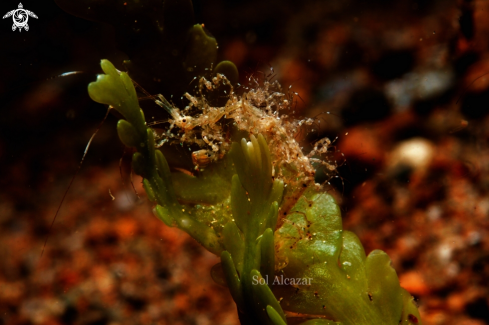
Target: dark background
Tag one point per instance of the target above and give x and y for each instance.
(389, 72)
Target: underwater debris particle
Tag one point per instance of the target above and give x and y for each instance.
(110, 193)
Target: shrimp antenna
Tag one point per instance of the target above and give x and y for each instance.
(35, 82)
(73, 178)
(163, 102)
(467, 88)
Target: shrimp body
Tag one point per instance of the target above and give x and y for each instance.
(257, 111)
